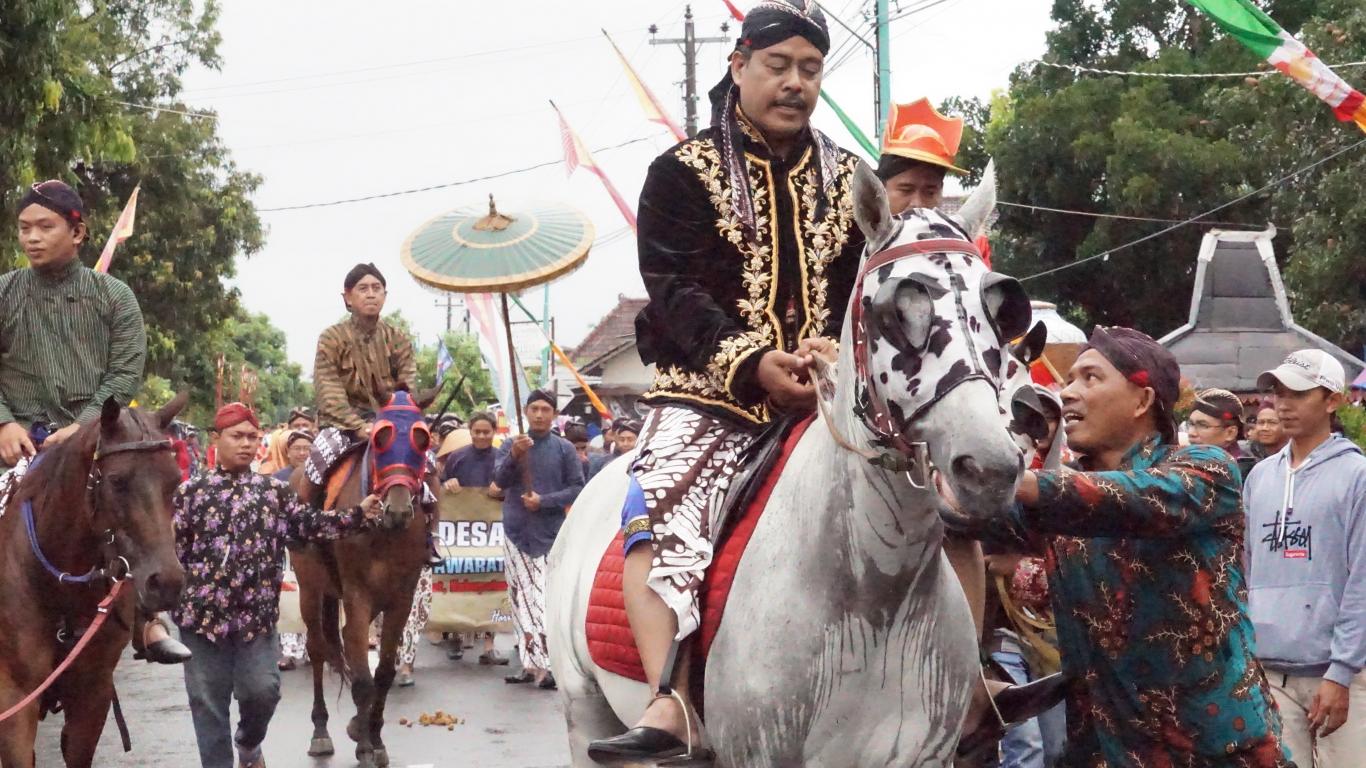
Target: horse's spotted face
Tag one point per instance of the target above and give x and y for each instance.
(937, 319)
(399, 441)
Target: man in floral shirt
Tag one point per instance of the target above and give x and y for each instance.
(1144, 561)
(232, 526)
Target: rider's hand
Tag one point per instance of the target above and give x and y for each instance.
(1028, 491)
(364, 432)
(809, 349)
(532, 501)
(520, 445)
(1329, 710)
(1003, 565)
(370, 507)
(14, 443)
(60, 436)
(782, 375)
(451, 485)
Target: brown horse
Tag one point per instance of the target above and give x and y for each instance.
(371, 573)
(100, 506)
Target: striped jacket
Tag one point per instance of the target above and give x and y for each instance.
(68, 342)
(356, 370)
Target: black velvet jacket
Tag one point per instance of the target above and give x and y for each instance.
(717, 302)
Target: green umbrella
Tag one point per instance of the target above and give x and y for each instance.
(474, 250)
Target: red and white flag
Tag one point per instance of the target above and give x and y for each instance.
(576, 155)
(123, 229)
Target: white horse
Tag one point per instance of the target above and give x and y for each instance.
(846, 641)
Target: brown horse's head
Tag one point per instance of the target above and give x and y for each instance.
(399, 441)
(131, 481)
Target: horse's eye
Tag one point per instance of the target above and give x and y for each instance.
(1007, 306)
(903, 311)
(422, 438)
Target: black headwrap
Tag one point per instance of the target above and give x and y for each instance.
(1145, 363)
(359, 273)
(542, 396)
(768, 23)
(58, 197)
(1223, 405)
(629, 426)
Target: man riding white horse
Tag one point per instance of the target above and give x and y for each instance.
(748, 252)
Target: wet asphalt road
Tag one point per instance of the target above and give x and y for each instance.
(504, 726)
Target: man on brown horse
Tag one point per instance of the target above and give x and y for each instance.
(232, 526)
(360, 362)
(70, 338)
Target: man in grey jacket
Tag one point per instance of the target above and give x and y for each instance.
(1306, 546)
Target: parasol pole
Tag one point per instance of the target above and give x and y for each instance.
(515, 372)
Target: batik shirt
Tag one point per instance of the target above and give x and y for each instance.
(356, 369)
(1151, 609)
(231, 530)
(69, 340)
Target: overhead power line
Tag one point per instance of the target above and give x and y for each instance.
(1079, 69)
(1105, 255)
(448, 184)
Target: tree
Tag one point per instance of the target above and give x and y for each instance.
(467, 368)
(1171, 149)
(69, 72)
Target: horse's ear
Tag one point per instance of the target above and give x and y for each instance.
(109, 414)
(426, 397)
(871, 209)
(167, 413)
(977, 209)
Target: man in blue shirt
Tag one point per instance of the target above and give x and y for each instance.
(472, 466)
(541, 476)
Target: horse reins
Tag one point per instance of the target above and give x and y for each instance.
(103, 610)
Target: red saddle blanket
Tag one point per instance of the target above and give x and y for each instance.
(609, 632)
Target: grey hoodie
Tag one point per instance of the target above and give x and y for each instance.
(1306, 546)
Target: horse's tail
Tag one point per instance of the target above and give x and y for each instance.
(331, 627)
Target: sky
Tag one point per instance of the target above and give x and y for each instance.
(343, 99)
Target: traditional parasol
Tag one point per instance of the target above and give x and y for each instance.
(476, 251)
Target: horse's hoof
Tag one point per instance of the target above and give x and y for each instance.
(381, 757)
(320, 746)
(365, 759)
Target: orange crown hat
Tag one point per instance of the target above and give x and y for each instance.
(917, 131)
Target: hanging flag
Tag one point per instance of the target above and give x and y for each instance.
(653, 111)
(849, 125)
(123, 229)
(734, 11)
(443, 361)
(577, 155)
(493, 347)
(1264, 37)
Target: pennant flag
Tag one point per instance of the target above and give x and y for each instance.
(734, 11)
(1264, 37)
(849, 125)
(653, 111)
(123, 229)
(559, 353)
(493, 347)
(443, 362)
(576, 155)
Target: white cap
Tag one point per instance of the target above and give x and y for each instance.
(1304, 370)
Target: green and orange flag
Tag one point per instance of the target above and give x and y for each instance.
(1260, 33)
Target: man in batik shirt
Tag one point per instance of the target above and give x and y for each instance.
(748, 251)
(1145, 572)
(232, 526)
(360, 362)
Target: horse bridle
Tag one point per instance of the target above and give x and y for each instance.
(108, 548)
(905, 455)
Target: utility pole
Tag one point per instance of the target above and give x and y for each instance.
(882, 81)
(689, 42)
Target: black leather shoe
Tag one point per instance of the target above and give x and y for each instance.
(547, 683)
(167, 651)
(637, 744)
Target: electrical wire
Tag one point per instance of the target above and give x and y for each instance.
(1078, 69)
(1105, 255)
(447, 185)
(1121, 217)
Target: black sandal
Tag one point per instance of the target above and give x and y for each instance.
(521, 678)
